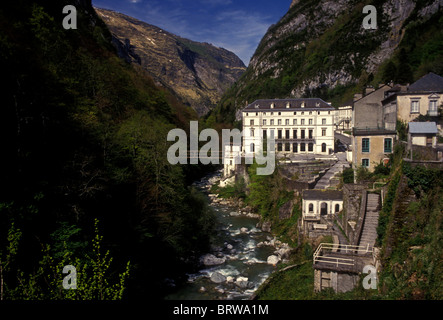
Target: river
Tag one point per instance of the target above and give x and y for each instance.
(245, 250)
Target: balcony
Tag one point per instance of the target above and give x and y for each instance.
(296, 140)
(433, 113)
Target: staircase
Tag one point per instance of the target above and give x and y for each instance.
(338, 167)
(369, 233)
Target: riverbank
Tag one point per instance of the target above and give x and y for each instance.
(243, 255)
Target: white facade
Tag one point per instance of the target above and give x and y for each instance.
(321, 203)
(299, 126)
(232, 157)
(343, 117)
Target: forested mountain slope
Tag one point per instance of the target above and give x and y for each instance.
(83, 137)
(320, 49)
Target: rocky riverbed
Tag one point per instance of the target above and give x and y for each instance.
(242, 258)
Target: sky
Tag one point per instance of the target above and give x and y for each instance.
(236, 25)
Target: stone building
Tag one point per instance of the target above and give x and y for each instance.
(371, 146)
(371, 141)
(320, 203)
(422, 134)
(405, 103)
(299, 126)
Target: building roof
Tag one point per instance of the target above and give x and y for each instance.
(322, 195)
(375, 131)
(294, 104)
(428, 83)
(423, 127)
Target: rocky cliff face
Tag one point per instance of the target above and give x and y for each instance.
(199, 73)
(320, 48)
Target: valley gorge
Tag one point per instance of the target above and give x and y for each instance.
(198, 73)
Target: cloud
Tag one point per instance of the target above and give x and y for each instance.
(238, 31)
(224, 23)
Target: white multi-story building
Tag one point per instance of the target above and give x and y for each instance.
(299, 126)
(343, 118)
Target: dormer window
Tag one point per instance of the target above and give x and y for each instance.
(257, 106)
(303, 104)
(288, 105)
(272, 105)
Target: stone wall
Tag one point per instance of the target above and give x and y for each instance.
(423, 153)
(309, 171)
(352, 206)
(338, 281)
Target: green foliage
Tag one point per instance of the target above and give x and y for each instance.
(87, 139)
(66, 238)
(236, 191)
(387, 207)
(420, 179)
(382, 170)
(264, 192)
(294, 284)
(348, 175)
(94, 280)
(362, 174)
(413, 265)
(402, 130)
(7, 256)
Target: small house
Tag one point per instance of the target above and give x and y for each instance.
(423, 134)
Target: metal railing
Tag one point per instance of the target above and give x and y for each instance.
(339, 248)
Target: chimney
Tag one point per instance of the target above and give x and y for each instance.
(368, 90)
(357, 96)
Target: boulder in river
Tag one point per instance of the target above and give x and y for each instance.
(273, 260)
(217, 277)
(211, 260)
(242, 282)
(266, 226)
(283, 252)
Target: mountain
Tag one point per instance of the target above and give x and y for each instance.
(83, 137)
(199, 73)
(320, 48)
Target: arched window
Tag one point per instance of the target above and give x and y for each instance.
(323, 147)
(324, 209)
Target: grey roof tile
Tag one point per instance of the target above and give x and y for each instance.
(423, 127)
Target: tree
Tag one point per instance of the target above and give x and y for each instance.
(45, 282)
(389, 72)
(404, 72)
